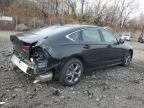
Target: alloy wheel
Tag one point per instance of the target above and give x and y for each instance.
(128, 59)
(73, 72)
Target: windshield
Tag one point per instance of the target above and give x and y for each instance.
(50, 31)
(127, 34)
(142, 35)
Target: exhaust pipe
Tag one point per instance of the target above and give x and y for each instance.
(43, 78)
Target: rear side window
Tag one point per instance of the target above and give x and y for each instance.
(91, 35)
(108, 36)
(74, 36)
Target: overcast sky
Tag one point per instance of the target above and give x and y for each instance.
(139, 9)
(141, 3)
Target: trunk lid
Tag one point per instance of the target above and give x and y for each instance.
(22, 44)
(29, 37)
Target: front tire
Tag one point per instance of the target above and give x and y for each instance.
(127, 59)
(71, 72)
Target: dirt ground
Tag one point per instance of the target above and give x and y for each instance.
(115, 87)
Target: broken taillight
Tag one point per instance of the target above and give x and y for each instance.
(25, 47)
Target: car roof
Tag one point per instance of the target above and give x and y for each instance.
(63, 28)
(55, 29)
(80, 26)
(53, 32)
(77, 26)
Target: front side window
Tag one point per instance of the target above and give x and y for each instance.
(91, 35)
(108, 36)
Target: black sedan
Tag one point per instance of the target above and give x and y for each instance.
(65, 52)
(141, 38)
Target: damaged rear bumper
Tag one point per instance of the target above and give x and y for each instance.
(31, 70)
(22, 65)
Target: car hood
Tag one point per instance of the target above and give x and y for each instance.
(128, 45)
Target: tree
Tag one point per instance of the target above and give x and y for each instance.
(82, 7)
(72, 4)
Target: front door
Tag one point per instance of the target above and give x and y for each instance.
(114, 52)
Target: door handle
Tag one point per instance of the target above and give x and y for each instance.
(86, 46)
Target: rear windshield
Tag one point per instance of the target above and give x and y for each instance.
(52, 30)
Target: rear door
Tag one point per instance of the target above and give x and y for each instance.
(92, 47)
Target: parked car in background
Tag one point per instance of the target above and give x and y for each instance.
(141, 38)
(65, 52)
(126, 36)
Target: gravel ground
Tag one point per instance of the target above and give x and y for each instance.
(115, 87)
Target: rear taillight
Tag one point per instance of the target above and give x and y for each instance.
(25, 47)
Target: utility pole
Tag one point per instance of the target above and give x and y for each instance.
(142, 29)
(16, 22)
(62, 15)
(34, 15)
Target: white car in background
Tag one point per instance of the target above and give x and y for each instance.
(126, 36)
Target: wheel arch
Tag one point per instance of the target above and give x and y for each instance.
(76, 56)
(131, 51)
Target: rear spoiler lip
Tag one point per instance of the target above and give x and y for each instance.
(16, 38)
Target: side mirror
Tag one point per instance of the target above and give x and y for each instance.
(121, 41)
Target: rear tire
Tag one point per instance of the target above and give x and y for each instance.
(71, 72)
(127, 59)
